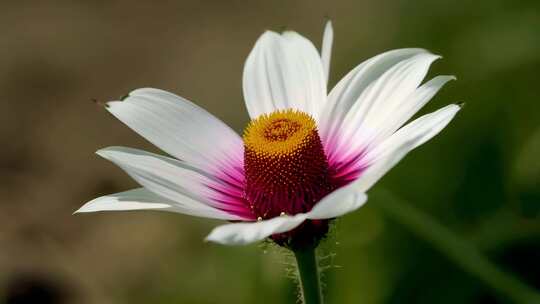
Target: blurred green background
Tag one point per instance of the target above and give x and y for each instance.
(480, 177)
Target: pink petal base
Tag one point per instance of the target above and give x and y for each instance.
(229, 194)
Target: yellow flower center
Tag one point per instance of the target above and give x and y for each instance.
(279, 133)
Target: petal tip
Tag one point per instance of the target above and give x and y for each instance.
(425, 56)
(428, 53)
(110, 104)
(436, 56)
(268, 34)
(83, 209)
(211, 238)
(103, 152)
(328, 27)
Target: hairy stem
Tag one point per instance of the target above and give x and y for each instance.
(458, 250)
(308, 272)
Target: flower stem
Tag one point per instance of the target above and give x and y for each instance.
(458, 250)
(308, 272)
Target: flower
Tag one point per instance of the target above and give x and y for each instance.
(304, 159)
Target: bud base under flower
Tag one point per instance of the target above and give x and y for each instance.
(308, 234)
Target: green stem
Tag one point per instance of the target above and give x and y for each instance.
(455, 248)
(309, 275)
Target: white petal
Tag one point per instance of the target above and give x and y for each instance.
(171, 179)
(338, 203)
(180, 128)
(344, 95)
(378, 102)
(283, 72)
(418, 131)
(245, 233)
(385, 156)
(136, 199)
(142, 199)
(412, 104)
(326, 50)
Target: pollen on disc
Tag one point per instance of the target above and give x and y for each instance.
(285, 165)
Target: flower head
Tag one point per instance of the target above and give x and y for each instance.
(306, 157)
